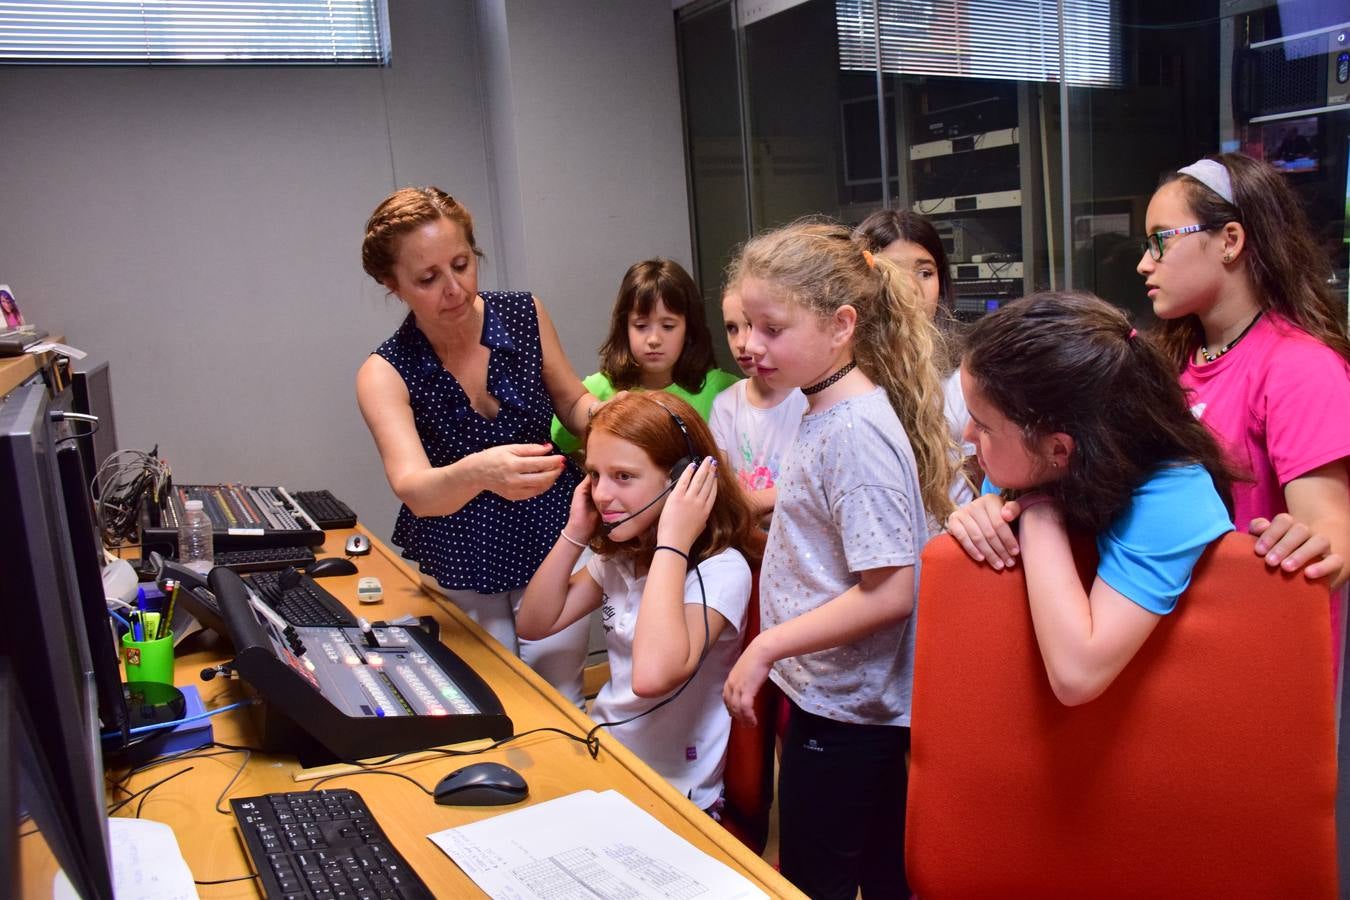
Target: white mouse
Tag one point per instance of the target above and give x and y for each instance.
(358, 545)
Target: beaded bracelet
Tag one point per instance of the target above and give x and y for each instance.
(571, 540)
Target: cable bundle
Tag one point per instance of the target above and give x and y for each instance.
(121, 485)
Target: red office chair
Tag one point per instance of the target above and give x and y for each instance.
(748, 779)
(1207, 769)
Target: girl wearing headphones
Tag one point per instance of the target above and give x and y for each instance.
(671, 531)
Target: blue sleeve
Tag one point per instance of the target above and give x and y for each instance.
(1148, 552)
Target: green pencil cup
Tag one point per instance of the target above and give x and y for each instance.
(148, 660)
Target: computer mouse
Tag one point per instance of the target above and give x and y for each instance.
(333, 565)
(358, 545)
(482, 784)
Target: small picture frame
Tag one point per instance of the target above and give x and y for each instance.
(10, 316)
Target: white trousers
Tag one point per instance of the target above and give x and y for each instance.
(557, 658)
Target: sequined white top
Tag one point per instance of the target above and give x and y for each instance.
(848, 501)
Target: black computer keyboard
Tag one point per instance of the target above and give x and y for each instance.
(323, 844)
(325, 509)
(265, 559)
(300, 601)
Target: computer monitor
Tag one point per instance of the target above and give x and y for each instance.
(1292, 146)
(87, 557)
(45, 637)
(40, 839)
(91, 390)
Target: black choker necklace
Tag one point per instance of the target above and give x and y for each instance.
(1210, 357)
(822, 385)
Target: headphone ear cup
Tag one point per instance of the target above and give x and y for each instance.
(678, 469)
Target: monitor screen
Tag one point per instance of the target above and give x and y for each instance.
(1290, 145)
(45, 639)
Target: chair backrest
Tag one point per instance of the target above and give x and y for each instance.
(1207, 769)
(748, 778)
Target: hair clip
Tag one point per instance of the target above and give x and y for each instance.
(869, 259)
(1133, 334)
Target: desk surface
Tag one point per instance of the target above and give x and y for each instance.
(553, 765)
(14, 370)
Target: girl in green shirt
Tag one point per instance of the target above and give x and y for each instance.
(658, 340)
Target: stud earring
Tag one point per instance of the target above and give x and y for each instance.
(1228, 257)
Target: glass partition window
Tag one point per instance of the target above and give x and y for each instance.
(956, 109)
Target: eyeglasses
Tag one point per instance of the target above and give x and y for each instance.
(1153, 243)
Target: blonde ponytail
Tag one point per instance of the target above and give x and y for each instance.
(902, 351)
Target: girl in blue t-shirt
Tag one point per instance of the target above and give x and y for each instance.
(1080, 425)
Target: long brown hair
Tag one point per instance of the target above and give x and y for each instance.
(1281, 256)
(819, 265)
(644, 284)
(401, 212)
(645, 420)
(1070, 362)
(886, 226)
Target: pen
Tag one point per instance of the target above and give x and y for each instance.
(166, 621)
(137, 630)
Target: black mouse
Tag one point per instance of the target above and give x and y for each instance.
(333, 565)
(482, 784)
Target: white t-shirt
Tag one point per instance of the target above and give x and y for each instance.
(685, 741)
(954, 405)
(755, 440)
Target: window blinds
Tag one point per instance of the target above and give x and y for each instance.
(1008, 39)
(194, 32)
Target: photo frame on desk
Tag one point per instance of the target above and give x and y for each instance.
(10, 316)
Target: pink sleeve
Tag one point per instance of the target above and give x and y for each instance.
(1307, 411)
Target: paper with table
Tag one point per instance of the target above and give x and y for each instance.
(587, 845)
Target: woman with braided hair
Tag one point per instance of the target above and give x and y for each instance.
(459, 402)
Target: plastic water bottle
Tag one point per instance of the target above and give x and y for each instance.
(196, 548)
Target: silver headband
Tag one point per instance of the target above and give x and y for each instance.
(1213, 175)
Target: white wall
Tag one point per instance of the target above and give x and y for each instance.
(595, 153)
(201, 227)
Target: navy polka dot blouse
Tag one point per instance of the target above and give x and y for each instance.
(491, 544)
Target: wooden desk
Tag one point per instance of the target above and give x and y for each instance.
(14, 370)
(553, 765)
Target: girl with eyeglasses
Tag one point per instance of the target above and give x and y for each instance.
(1234, 273)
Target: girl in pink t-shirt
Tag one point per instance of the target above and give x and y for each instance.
(1237, 278)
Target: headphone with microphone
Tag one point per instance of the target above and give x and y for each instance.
(684, 462)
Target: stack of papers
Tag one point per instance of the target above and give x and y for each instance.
(587, 845)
